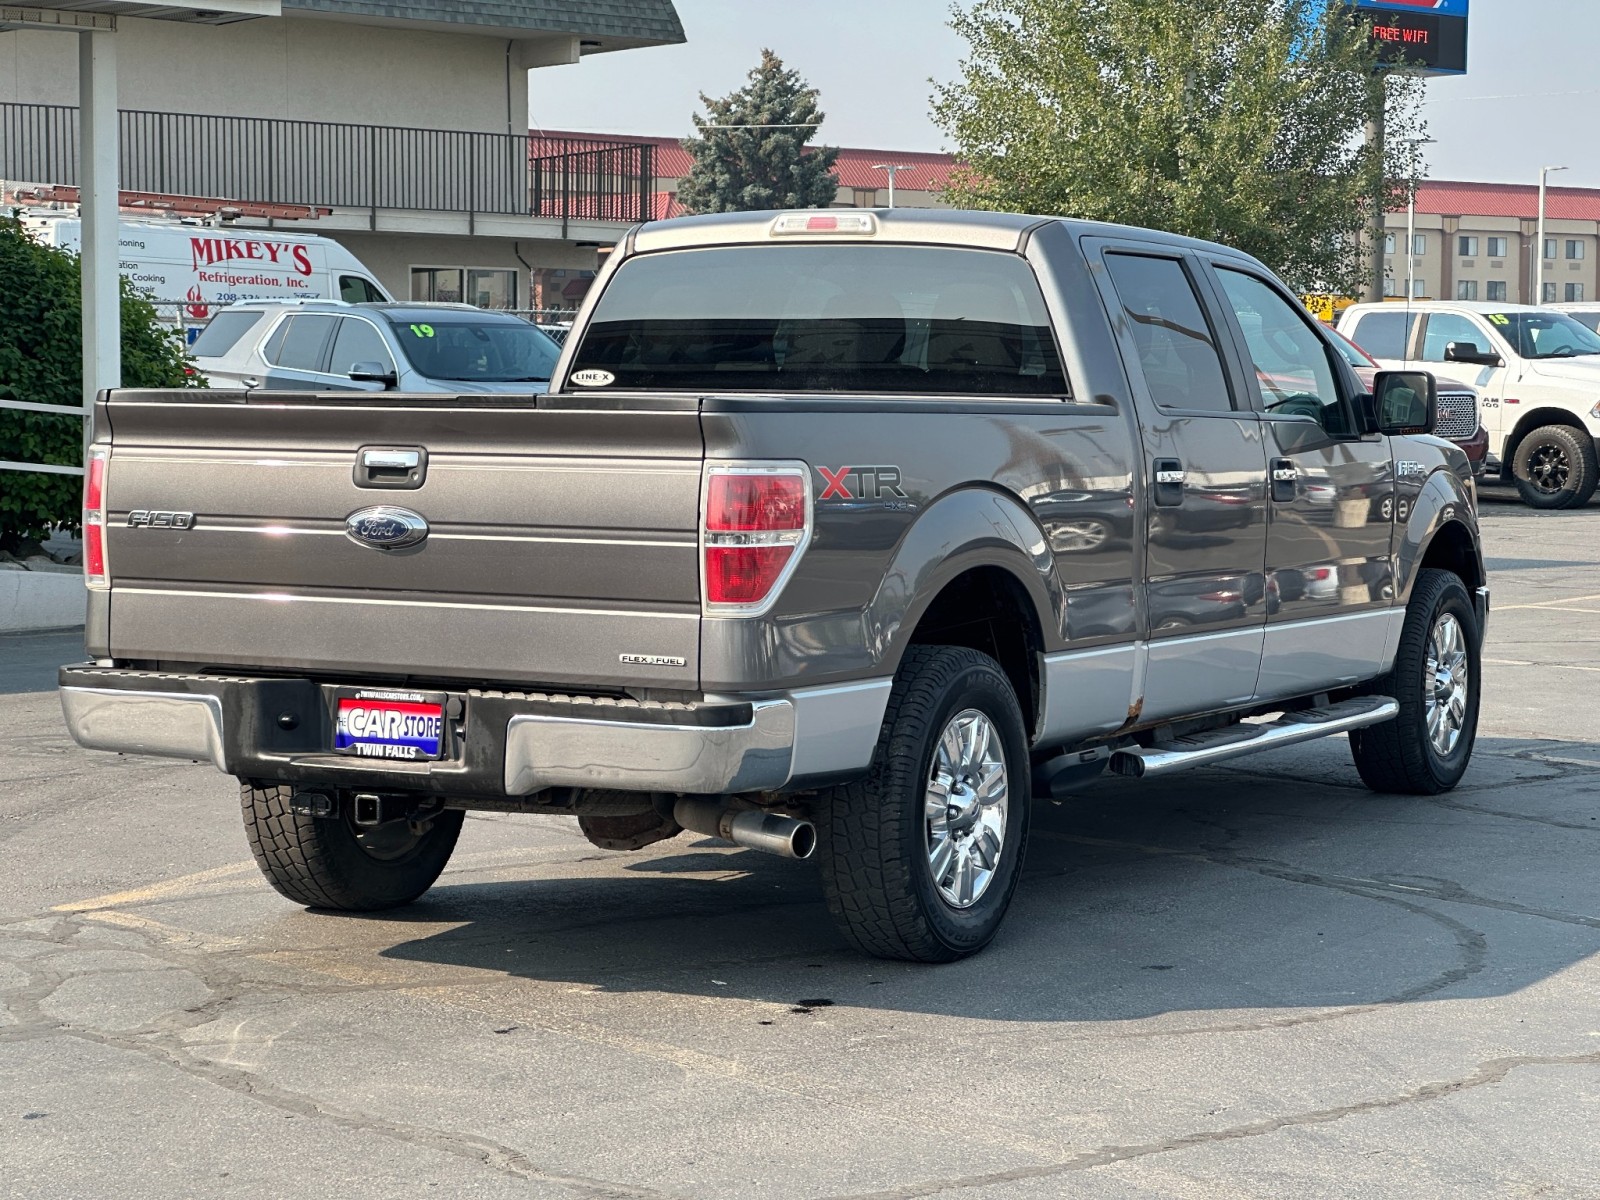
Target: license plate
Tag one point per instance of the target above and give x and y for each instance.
(397, 725)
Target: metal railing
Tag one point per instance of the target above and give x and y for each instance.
(583, 179)
(329, 164)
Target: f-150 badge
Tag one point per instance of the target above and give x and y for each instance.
(1405, 466)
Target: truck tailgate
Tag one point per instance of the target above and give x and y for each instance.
(562, 540)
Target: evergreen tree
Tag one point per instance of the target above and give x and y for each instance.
(751, 152)
(1238, 121)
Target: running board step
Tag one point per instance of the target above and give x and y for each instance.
(1218, 745)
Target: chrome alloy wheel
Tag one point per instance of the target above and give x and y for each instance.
(1446, 678)
(965, 806)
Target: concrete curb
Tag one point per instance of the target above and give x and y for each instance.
(36, 600)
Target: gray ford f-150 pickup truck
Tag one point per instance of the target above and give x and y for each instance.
(846, 531)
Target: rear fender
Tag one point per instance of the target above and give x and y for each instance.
(963, 530)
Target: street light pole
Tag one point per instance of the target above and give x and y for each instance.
(1538, 275)
(891, 168)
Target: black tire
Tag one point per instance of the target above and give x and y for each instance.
(324, 862)
(1555, 467)
(1399, 757)
(873, 833)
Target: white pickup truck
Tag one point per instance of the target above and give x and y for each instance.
(1537, 372)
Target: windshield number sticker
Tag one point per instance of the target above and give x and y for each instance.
(422, 331)
(1500, 318)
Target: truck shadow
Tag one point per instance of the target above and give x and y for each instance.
(1278, 884)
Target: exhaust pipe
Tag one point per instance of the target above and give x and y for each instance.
(787, 837)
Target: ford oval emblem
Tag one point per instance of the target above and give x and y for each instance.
(386, 527)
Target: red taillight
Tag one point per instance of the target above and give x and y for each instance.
(94, 553)
(94, 486)
(755, 502)
(94, 520)
(755, 526)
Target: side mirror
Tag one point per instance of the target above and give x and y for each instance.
(373, 372)
(1468, 352)
(1406, 402)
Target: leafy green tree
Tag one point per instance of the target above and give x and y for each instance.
(41, 360)
(1238, 121)
(751, 152)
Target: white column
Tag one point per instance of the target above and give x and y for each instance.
(98, 191)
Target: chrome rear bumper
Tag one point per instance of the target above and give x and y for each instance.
(502, 744)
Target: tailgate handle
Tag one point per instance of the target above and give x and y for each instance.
(399, 467)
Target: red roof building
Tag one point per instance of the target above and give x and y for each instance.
(1476, 241)
(862, 184)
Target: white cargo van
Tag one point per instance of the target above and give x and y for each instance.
(193, 269)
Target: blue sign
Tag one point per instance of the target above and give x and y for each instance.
(1443, 8)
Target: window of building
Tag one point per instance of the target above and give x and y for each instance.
(1389, 287)
(1497, 289)
(1549, 294)
(866, 197)
(1467, 247)
(1418, 289)
(1574, 248)
(1384, 333)
(443, 285)
(1419, 245)
(1388, 244)
(1574, 293)
(1497, 247)
(1550, 248)
(492, 288)
(1467, 289)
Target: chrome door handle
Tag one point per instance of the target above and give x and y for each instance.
(391, 460)
(391, 467)
(1285, 480)
(1169, 476)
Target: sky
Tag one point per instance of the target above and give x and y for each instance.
(1528, 99)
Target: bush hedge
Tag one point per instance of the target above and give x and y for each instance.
(41, 361)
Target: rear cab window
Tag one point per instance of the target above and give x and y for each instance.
(917, 320)
(224, 332)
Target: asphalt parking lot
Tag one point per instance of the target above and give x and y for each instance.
(1253, 980)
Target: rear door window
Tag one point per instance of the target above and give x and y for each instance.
(917, 320)
(1177, 348)
(224, 333)
(1384, 334)
(300, 347)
